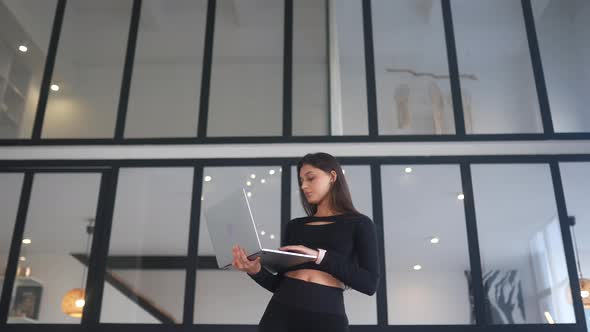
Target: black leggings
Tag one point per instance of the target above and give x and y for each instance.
(302, 306)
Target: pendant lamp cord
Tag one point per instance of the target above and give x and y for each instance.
(89, 230)
(576, 252)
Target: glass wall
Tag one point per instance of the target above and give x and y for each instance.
(231, 296)
(328, 84)
(25, 28)
(426, 251)
(247, 72)
(360, 308)
(143, 282)
(523, 261)
(52, 270)
(311, 68)
(86, 82)
(166, 84)
(329, 79)
(576, 188)
(10, 188)
(496, 74)
(426, 254)
(411, 68)
(562, 30)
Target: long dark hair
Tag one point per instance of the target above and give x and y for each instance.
(340, 194)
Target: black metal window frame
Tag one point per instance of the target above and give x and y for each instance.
(191, 262)
(287, 132)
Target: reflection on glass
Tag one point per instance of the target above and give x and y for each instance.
(10, 188)
(329, 86)
(86, 81)
(426, 251)
(523, 261)
(497, 84)
(165, 89)
(562, 30)
(219, 292)
(411, 68)
(247, 71)
(51, 276)
(360, 308)
(25, 28)
(143, 284)
(576, 188)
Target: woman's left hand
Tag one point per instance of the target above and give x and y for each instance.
(301, 249)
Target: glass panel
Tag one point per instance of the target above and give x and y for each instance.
(348, 87)
(166, 85)
(329, 80)
(576, 187)
(427, 255)
(219, 292)
(360, 308)
(497, 83)
(311, 68)
(146, 270)
(25, 28)
(523, 260)
(246, 96)
(411, 68)
(562, 29)
(88, 70)
(10, 188)
(52, 269)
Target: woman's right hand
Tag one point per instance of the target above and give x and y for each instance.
(242, 263)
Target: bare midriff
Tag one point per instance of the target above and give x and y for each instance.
(316, 276)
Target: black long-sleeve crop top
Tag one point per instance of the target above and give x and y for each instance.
(351, 254)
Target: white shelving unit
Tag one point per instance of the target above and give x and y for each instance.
(21, 320)
(15, 79)
(22, 281)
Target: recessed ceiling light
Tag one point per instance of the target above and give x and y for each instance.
(408, 170)
(249, 194)
(262, 232)
(207, 178)
(248, 183)
(272, 236)
(26, 241)
(22, 258)
(460, 196)
(271, 172)
(417, 267)
(434, 240)
(22, 48)
(262, 181)
(253, 176)
(55, 87)
(202, 198)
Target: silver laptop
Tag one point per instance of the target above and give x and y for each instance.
(230, 222)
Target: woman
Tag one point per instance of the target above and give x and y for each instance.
(309, 296)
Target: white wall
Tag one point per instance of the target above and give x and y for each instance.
(562, 30)
(164, 288)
